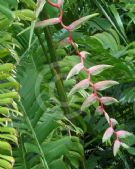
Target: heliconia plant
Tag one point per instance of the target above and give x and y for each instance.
(92, 71)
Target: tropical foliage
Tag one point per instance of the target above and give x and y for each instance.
(52, 123)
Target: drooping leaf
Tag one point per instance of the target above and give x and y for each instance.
(123, 134)
(81, 85)
(116, 147)
(75, 70)
(105, 84)
(80, 21)
(98, 69)
(107, 135)
(47, 22)
(89, 101)
(108, 100)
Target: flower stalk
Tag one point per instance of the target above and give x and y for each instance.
(99, 86)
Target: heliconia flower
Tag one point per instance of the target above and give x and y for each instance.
(107, 135)
(47, 22)
(60, 2)
(84, 54)
(108, 100)
(113, 121)
(98, 69)
(107, 117)
(81, 85)
(116, 147)
(40, 5)
(89, 101)
(75, 70)
(123, 134)
(105, 84)
(99, 110)
(124, 145)
(80, 21)
(53, 4)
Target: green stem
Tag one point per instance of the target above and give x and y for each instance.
(43, 160)
(23, 153)
(54, 66)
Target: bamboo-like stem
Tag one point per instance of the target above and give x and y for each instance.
(54, 66)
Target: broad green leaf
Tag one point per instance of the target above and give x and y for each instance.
(131, 150)
(31, 148)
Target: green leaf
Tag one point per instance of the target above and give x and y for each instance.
(7, 12)
(25, 14)
(118, 19)
(131, 150)
(5, 164)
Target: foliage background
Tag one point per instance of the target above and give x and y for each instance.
(49, 137)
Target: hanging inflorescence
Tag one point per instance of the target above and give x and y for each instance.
(96, 87)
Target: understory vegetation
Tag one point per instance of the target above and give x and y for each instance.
(67, 84)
